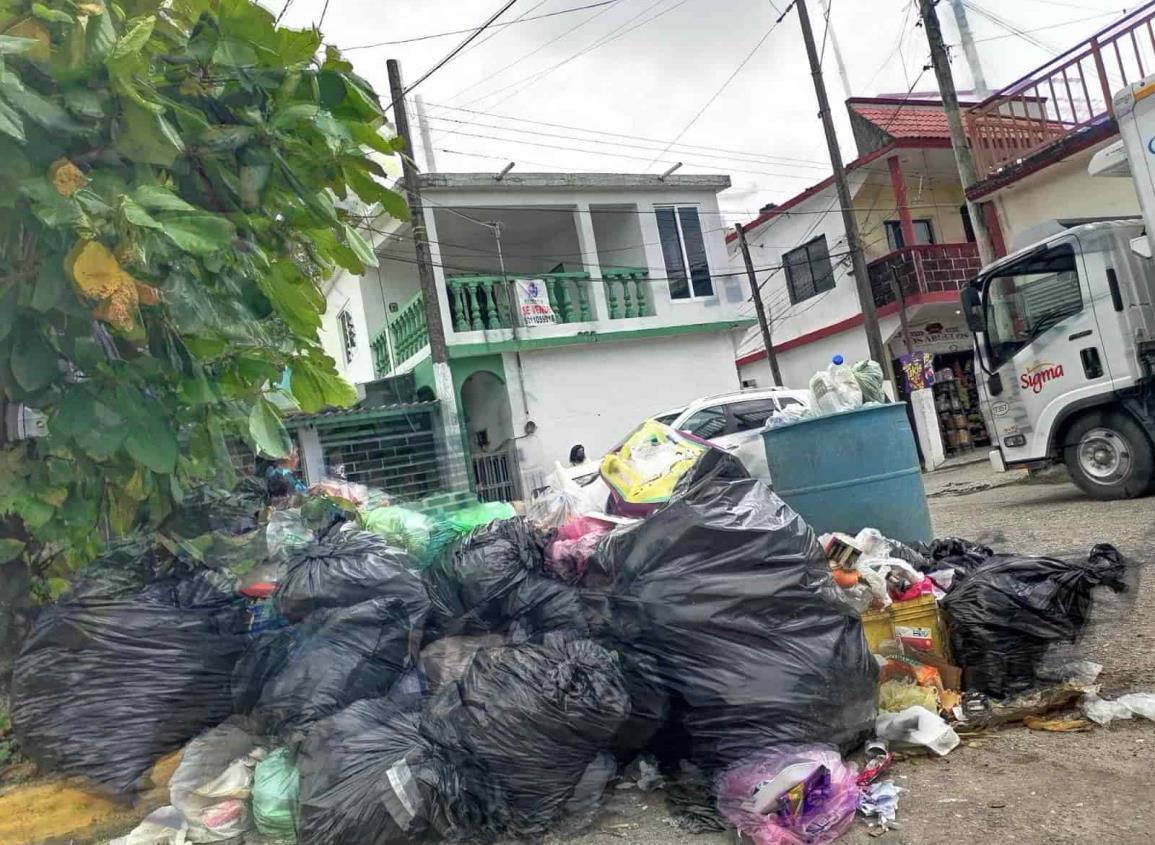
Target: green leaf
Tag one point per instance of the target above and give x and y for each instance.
(100, 36)
(135, 36)
(360, 246)
(50, 286)
(372, 191)
(293, 116)
(198, 232)
(10, 549)
(149, 439)
(7, 310)
(367, 136)
(294, 297)
(137, 216)
(11, 124)
(34, 512)
(34, 362)
(53, 209)
(51, 15)
(146, 137)
(235, 54)
(43, 111)
(316, 385)
(159, 198)
(267, 431)
(86, 102)
(11, 45)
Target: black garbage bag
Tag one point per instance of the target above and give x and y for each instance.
(534, 719)
(291, 677)
(492, 581)
(727, 591)
(345, 568)
(962, 556)
(367, 776)
(117, 673)
(1006, 612)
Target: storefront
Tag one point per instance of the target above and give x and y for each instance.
(943, 362)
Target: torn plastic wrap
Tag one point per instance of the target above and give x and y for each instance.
(1007, 611)
(294, 676)
(728, 592)
(116, 675)
(492, 581)
(815, 810)
(368, 777)
(346, 568)
(212, 783)
(534, 718)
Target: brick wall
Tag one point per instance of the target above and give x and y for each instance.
(933, 268)
(396, 454)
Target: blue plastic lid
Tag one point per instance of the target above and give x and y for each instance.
(837, 359)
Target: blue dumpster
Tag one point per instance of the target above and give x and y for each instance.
(852, 470)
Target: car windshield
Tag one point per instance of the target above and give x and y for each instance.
(666, 419)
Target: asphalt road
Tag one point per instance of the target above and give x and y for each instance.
(1013, 785)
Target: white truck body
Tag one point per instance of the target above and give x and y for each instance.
(1065, 333)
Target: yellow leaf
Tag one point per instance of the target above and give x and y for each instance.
(94, 270)
(147, 295)
(66, 177)
(31, 28)
(119, 310)
(90, 9)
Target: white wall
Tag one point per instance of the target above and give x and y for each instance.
(802, 362)
(595, 394)
(485, 407)
(345, 294)
(1063, 190)
(619, 236)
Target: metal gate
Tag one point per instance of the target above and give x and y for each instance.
(495, 477)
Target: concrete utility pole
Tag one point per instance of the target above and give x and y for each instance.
(412, 183)
(958, 138)
(853, 241)
(759, 307)
(442, 377)
(842, 74)
(426, 136)
(968, 44)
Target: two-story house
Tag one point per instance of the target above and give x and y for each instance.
(573, 305)
(912, 216)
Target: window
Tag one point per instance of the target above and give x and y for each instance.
(706, 423)
(968, 227)
(808, 270)
(923, 233)
(1029, 297)
(787, 401)
(684, 251)
(752, 414)
(348, 334)
(666, 419)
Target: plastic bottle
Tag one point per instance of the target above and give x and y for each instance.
(835, 388)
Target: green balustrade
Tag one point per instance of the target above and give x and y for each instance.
(627, 292)
(483, 303)
(407, 333)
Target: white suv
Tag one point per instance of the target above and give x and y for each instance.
(731, 421)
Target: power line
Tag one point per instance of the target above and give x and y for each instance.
(498, 26)
(724, 85)
(324, 11)
(806, 161)
(460, 46)
(1021, 33)
(617, 144)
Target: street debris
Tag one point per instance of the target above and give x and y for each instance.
(383, 675)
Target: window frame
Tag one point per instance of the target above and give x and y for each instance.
(347, 331)
(771, 403)
(1004, 352)
(723, 414)
(893, 229)
(687, 268)
(792, 283)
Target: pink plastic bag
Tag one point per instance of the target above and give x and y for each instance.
(574, 543)
(827, 812)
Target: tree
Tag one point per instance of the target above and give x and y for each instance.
(172, 179)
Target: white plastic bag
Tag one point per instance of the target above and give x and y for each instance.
(917, 726)
(211, 785)
(1103, 712)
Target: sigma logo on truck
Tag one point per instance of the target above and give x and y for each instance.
(1039, 375)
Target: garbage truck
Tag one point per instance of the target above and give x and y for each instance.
(1065, 332)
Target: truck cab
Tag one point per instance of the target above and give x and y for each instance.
(1065, 352)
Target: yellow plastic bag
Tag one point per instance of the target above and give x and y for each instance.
(648, 465)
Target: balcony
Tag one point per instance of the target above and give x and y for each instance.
(406, 332)
(1067, 98)
(929, 268)
(482, 303)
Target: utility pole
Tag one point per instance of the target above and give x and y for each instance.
(968, 44)
(759, 307)
(853, 241)
(426, 136)
(442, 377)
(842, 74)
(958, 138)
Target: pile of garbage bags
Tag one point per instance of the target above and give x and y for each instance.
(378, 691)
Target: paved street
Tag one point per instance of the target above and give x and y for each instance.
(1015, 785)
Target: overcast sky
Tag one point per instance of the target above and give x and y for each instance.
(645, 68)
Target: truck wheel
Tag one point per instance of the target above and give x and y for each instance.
(1109, 456)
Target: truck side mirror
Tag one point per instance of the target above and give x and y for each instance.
(972, 308)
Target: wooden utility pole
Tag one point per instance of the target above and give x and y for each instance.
(853, 241)
(759, 307)
(427, 280)
(958, 138)
(900, 298)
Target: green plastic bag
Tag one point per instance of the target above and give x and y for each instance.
(453, 526)
(402, 527)
(868, 374)
(275, 786)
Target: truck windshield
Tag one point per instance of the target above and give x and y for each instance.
(1028, 297)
